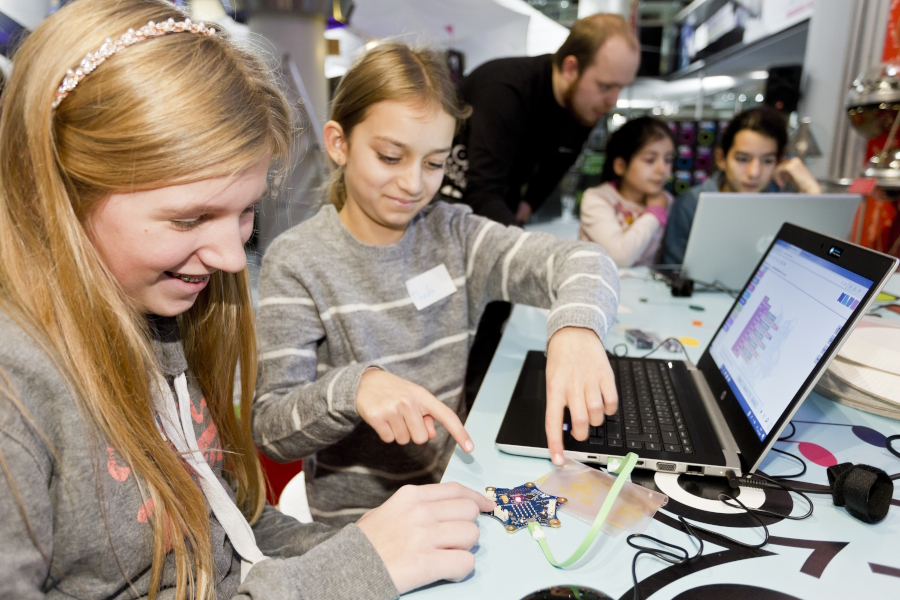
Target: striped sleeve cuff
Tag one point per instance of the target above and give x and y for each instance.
(579, 314)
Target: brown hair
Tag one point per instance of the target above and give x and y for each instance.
(174, 109)
(589, 34)
(390, 71)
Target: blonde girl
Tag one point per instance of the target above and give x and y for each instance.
(364, 346)
(128, 181)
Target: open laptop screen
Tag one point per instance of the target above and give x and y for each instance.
(782, 325)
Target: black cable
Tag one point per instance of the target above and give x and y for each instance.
(716, 286)
(752, 481)
(663, 343)
(791, 434)
(665, 555)
(758, 480)
(795, 457)
(889, 445)
(682, 556)
(624, 345)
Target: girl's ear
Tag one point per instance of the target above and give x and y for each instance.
(335, 142)
(720, 159)
(620, 166)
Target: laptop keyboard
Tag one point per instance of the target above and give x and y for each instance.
(649, 417)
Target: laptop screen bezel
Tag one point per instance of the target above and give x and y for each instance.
(866, 263)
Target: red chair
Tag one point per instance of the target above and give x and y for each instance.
(278, 475)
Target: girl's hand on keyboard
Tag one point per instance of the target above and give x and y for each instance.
(578, 377)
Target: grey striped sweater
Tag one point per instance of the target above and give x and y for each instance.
(331, 306)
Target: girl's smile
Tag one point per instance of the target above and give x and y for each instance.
(163, 245)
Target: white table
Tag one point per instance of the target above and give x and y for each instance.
(842, 548)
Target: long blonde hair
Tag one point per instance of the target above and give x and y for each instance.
(390, 71)
(174, 109)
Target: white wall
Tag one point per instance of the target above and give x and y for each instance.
(27, 13)
(845, 36)
(301, 36)
(587, 8)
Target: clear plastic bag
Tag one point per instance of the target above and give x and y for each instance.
(586, 488)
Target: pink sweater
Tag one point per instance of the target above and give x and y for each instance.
(629, 232)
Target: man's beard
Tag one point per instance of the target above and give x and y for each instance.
(569, 104)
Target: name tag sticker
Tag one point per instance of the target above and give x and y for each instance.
(431, 286)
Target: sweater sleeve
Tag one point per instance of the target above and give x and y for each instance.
(600, 225)
(577, 281)
(301, 406)
(24, 492)
(344, 566)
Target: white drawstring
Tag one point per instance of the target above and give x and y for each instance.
(228, 514)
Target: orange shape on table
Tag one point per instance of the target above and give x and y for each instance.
(697, 323)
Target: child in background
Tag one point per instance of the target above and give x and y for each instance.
(750, 159)
(124, 312)
(627, 214)
(367, 345)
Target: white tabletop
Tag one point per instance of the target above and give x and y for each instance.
(512, 565)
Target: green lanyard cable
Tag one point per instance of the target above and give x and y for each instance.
(623, 470)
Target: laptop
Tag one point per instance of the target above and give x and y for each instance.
(731, 231)
(791, 317)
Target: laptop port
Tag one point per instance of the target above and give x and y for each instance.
(694, 469)
(661, 466)
(639, 463)
(592, 457)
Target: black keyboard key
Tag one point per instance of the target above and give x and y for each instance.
(615, 443)
(667, 427)
(669, 437)
(634, 445)
(653, 446)
(642, 437)
(632, 422)
(632, 429)
(688, 449)
(614, 436)
(672, 448)
(597, 441)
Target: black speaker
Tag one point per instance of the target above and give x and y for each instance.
(783, 88)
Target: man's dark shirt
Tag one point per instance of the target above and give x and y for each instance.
(518, 143)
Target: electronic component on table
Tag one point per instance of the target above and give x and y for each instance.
(519, 506)
(640, 339)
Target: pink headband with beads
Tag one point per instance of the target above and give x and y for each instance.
(93, 60)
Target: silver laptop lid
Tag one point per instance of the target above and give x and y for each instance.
(730, 232)
(788, 322)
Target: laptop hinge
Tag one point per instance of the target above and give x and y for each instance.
(720, 426)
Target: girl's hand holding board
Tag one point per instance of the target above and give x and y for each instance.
(425, 533)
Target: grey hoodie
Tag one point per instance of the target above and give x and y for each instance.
(89, 517)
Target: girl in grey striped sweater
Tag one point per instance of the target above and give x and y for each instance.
(368, 309)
